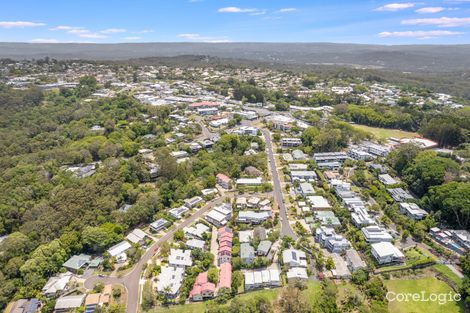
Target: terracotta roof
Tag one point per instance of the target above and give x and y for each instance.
(225, 275)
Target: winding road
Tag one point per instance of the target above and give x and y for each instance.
(131, 281)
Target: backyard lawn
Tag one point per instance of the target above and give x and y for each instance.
(312, 292)
(429, 285)
(384, 133)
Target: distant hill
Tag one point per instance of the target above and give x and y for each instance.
(410, 58)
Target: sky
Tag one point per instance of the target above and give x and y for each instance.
(220, 21)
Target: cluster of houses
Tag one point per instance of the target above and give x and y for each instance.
(253, 210)
(380, 239)
(455, 240)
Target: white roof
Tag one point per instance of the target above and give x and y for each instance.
(121, 247)
(170, 277)
(318, 202)
(57, 283)
(179, 257)
(384, 249)
(195, 243)
(295, 256)
(297, 272)
(217, 216)
(249, 181)
(136, 235)
(245, 235)
(69, 302)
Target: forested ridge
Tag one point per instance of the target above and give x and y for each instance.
(49, 214)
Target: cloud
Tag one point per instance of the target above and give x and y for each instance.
(132, 38)
(199, 38)
(421, 34)
(44, 40)
(91, 35)
(430, 10)
(439, 21)
(287, 10)
(395, 6)
(113, 31)
(144, 31)
(236, 10)
(19, 24)
(82, 32)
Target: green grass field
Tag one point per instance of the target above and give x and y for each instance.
(428, 285)
(384, 133)
(447, 272)
(311, 294)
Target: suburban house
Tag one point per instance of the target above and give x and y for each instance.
(202, 288)
(24, 306)
(412, 210)
(57, 285)
(137, 236)
(193, 202)
(252, 217)
(249, 181)
(225, 276)
(223, 180)
(294, 258)
(241, 203)
(177, 213)
(385, 252)
(68, 303)
(375, 233)
(225, 237)
(262, 279)
(330, 157)
(247, 253)
(303, 175)
(318, 202)
(263, 248)
(119, 251)
(306, 189)
(77, 262)
(333, 242)
(297, 274)
(197, 231)
(399, 195)
(220, 215)
(290, 142)
(195, 244)
(354, 261)
(180, 258)
(387, 180)
(159, 225)
(169, 280)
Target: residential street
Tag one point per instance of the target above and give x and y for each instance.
(286, 229)
(131, 280)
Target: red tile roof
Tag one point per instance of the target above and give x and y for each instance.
(223, 177)
(201, 284)
(225, 275)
